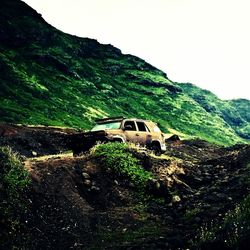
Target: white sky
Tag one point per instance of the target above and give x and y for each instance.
(205, 42)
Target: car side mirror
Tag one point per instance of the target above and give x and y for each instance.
(128, 127)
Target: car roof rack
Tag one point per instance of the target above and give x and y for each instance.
(109, 119)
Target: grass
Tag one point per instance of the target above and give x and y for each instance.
(123, 238)
(14, 181)
(232, 233)
(119, 158)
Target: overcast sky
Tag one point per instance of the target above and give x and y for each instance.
(205, 42)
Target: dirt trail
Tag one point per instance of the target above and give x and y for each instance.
(30, 162)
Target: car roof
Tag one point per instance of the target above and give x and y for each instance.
(120, 118)
(109, 119)
(136, 120)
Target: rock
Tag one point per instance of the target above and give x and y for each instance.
(176, 199)
(34, 153)
(197, 193)
(95, 189)
(206, 174)
(154, 184)
(85, 175)
(76, 75)
(157, 185)
(197, 179)
(87, 182)
(219, 167)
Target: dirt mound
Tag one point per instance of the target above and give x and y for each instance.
(35, 140)
(78, 204)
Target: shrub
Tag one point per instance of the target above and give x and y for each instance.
(233, 232)
(119, 158)
(237, 224)
(13, 182)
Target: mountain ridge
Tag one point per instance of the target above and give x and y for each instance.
(52, 78)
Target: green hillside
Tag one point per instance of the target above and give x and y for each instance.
(52, 78)
(236, 113)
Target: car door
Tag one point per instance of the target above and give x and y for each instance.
(130, 131)
(144, 136)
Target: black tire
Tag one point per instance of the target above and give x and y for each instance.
(156, 149)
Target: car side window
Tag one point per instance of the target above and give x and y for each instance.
(130, 125)
(142, 127)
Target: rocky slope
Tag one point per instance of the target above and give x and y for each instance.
(52, 78)
(76, 202)
(31, 141)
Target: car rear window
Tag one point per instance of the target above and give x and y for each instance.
(141, 126)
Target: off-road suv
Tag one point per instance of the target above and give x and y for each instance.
(120, 129)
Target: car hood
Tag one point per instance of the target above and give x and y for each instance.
(95, 133)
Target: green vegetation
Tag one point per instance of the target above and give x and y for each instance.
(14, 181)
(117, 239)
(119, 158)
(12, 172)
(233, 232)
(234, 112)
(191, 214)
(52, 78)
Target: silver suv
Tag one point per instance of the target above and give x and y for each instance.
(120, 129)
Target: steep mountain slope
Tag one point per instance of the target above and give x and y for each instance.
(52, 78)
(235, 112)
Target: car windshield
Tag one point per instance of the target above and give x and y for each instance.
(104, 126)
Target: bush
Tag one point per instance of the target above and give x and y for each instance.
(237, 225)
(12, 173)
(13, 182)
(119, 158)
(233, 232)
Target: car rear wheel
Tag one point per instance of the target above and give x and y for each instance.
(156, 149)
